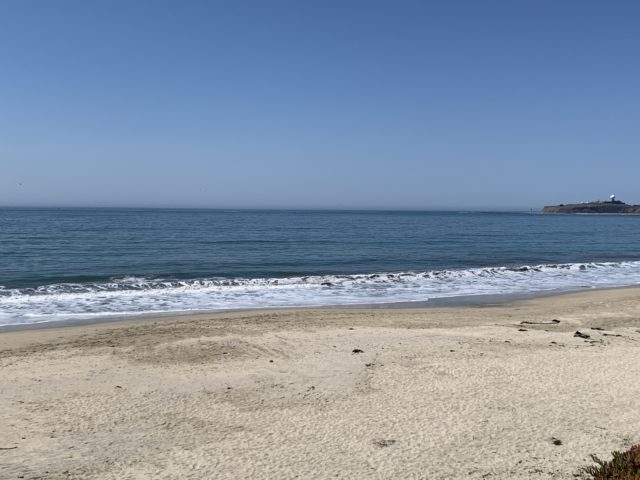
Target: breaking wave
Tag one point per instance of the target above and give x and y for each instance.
(135, 295)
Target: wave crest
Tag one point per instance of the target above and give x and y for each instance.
(139, 295)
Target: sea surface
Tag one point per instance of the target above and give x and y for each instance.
(61, 264)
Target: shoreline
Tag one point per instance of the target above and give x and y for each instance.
(449, 392)
(440, 302)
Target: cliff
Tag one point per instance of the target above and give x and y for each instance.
(615, 207)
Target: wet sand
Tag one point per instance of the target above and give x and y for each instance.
(487, 391)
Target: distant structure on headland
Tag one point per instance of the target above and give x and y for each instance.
(613, 206)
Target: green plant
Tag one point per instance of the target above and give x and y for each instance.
(623, 466)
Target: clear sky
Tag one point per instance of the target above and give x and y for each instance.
(319, 103)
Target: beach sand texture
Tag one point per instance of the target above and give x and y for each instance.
(444, 393)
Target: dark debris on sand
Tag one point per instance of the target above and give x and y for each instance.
(381, 442)
(555, 321)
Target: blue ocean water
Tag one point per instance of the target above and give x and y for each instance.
(73, 263)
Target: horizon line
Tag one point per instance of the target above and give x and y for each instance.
(276, 208)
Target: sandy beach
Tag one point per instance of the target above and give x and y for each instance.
(503, 391)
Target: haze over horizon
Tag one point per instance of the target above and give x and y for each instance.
(492, 105)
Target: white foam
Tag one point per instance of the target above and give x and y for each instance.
(135, 295)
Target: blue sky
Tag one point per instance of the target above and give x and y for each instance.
(319, 104)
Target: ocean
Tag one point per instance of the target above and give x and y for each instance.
(64, 264)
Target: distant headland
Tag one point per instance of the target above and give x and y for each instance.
(612, 206)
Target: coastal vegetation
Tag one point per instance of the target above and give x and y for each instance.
(623, 466)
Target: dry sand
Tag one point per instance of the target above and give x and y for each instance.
(435, 393)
